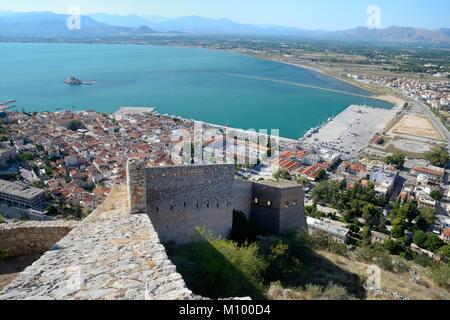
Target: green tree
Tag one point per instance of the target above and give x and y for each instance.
(25, 156)
(444, 252)
(220, 268)
(282, 174)
(321, 176)
(437, 195)
(438, 156)
(428, 215)
(433, 243)
(366, 236)
(420, 238)
(282, 264)
(398, 228)
(371, 214)
(408, 211)
(397, 160)
(76, 125)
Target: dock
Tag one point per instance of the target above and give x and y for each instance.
(5, 105)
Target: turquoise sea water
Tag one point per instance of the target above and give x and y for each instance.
(211, 86)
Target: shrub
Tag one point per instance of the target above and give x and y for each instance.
(220, 268)
(420, 238)
(433, 243)
(335, 292)
(322, 241)
(331, 292)
(423, 261)
(444, 252)
(282, 262)
(441, 275)
(376, 254)
(397, 159)
(2, 219)
(438, 156)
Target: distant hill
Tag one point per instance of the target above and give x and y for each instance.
(200, 25)
(395, 35)
(142, 30)
(131, 21)
(46, 24)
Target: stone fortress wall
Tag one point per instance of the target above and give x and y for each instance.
(242, 196)
(115, 255)
(32, 237)
(111, 255)
(278, 208)
(178, 199)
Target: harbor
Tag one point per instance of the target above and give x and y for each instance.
(351, 130)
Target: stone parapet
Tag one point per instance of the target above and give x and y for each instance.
(33, 237)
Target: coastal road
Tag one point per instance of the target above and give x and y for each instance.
(427, 111)
(437, 122)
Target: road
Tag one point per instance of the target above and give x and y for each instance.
(437, 122)
(427, 111)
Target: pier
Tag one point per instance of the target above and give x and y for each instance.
(5, 105)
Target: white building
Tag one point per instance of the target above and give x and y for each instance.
(383, 179)
(338, 233)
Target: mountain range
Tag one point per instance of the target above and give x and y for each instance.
(48, 25)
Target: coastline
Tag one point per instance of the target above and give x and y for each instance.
(388, 98)
(284, 142)
(391, 98)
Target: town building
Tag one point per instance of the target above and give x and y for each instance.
(384, 179)
(446, 235)
(378, 237)
(338, 233)
(7, 154)
(20, 195)
(429, 175)
(353, 168)
(278, 207)
(423, 198)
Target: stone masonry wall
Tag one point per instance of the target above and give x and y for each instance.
(25, 238)
(136, 186)
(182, 198)
(242, 196)
(111, 255)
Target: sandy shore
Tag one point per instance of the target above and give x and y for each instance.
(392, 99)
(385, 97)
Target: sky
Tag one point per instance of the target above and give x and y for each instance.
(306, 14)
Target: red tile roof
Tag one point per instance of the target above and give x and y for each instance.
(429, 171)
(446, 233)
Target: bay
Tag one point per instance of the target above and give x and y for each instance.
(213, 86)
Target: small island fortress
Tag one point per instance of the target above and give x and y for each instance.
(117, 252)
(77, 82)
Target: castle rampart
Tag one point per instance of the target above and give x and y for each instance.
(33, 237)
